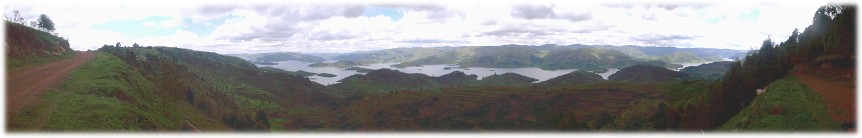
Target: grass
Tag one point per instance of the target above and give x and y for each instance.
(803, 110)
(106, 95)
(13, 63)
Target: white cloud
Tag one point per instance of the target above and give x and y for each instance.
(338, 28)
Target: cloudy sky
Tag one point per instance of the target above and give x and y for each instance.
(254, 27)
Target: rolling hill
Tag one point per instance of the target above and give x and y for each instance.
(280, 56)
(713, 70)
(647, 74)
(536, 56)
(573, 78)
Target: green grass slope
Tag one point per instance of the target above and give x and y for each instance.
(108, 95)
(788, 105)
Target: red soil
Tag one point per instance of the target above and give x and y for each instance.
(25, 86)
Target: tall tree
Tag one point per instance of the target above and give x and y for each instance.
(46, 23)
(17, 17)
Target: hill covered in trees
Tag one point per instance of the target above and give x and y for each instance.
(595, 58)
(647, 74)
(280, 56)
(712, 70)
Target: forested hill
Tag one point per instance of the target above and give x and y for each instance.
(526, 56)
(280, 56)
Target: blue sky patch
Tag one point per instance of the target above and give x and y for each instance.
(750, 16)
(392, 13)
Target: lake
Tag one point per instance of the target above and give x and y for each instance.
(430, 70)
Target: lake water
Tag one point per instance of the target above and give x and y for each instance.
(481, 72)
(293, 65)
(430, 70)
(433, 70)
(607, 74)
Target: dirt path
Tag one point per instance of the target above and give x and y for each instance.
(840, 99)
(24, 86)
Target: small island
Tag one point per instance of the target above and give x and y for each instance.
(447, 68)
(258, 62)
(326, 75)
(302, 73)
(360, 69)
(337, 64)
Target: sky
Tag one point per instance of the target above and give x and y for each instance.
(329, 27)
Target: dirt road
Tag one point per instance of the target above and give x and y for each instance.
(24, 86)
(840, 99)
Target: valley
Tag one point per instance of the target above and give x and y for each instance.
(804, 83)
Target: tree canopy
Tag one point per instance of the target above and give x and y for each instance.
(46, 23)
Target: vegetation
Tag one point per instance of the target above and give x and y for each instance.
(591, 58)
(573, 78)
(359, 69)
(326, 75)
(285, 56)
(728, 96)
(27, 46)
(46, 23)
(337, 64)
(681, 57)
(595, 59)
(300, 73)
(161, 88)
(384, 81)
(713, 70)
(157, 88)
(787, 105)
(258, 62)
(647, 74)
(507, 79)
(107, 94)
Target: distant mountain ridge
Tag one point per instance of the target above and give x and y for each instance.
(508, 56)
(279, 56)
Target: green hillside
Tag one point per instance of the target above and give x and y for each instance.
(597, 60)
(573, 78)
(787, 105)
(681, 57)
(26, 46)
(647, 74)
(158, 88)
(708, 71)
(108, 94)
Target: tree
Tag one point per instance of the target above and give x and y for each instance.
(34, 24)
(17, 17)
(135, 45)
(118, 45)
(46, 23)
